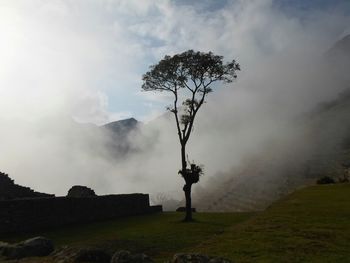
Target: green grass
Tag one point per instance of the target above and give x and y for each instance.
(310, 225)
(158, 235)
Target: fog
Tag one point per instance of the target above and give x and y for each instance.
(62, 68)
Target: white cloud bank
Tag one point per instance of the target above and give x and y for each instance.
(85, 59)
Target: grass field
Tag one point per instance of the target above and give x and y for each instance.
(310, 225)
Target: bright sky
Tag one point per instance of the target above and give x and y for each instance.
(85, 58)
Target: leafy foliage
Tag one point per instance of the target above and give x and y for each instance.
(193, 71)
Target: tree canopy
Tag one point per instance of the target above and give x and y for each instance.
(194, 71)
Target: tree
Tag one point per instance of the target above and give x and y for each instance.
(189, 76)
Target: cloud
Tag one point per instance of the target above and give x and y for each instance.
(53, 54)
(283, 77)
(62, 49)
(85, 59)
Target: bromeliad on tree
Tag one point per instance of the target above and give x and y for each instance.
(191, 176)
(189, 76)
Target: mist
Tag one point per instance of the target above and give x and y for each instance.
(63, 69)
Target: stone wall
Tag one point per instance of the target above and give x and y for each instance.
(9, 190)
(26, 215)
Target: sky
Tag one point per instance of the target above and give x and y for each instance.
(85, 59)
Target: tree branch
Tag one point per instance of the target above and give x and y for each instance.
(175, 111)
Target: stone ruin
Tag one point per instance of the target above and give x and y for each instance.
(80, 191)
(9, 190)
(24, 210)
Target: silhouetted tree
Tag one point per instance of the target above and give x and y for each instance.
(189, 77)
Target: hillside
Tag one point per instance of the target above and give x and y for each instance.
(264, 179)
(310, 225)
(321, 145)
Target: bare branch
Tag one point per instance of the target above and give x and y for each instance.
(175, 111)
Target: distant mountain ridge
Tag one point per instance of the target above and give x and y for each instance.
(119, 132)
(340, 48)
(122, 126)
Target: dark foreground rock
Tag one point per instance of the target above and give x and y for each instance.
(92, 255)
(197, 258)
(34, 247)
(2, 246)
(124, 256)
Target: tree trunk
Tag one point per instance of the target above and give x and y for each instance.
(183, 159)
(187, 190)
(187, 186)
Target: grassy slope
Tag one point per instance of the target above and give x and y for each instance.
(311, 225)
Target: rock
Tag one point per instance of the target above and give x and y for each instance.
(65, 254)
(3, 245)
(183, 209)
(124, 256)
(80, 191)
(34, 247)
(219, 260)
(68, 254)
(92, 255)
(190, 258)
(197, 258)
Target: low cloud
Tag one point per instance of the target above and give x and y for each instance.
(64, 60)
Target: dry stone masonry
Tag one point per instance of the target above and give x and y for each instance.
(80, 191)
(46, 211)
(9, 190)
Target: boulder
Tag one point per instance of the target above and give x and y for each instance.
(197, 258)
(190, 258)
(3, 245)
(92, 255)
(34, 247)
(67, 254)
(80, 191)
(124, 256)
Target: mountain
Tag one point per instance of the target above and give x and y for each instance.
(119, 133)
(122, 127)
(340, 49)
(338, 60)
